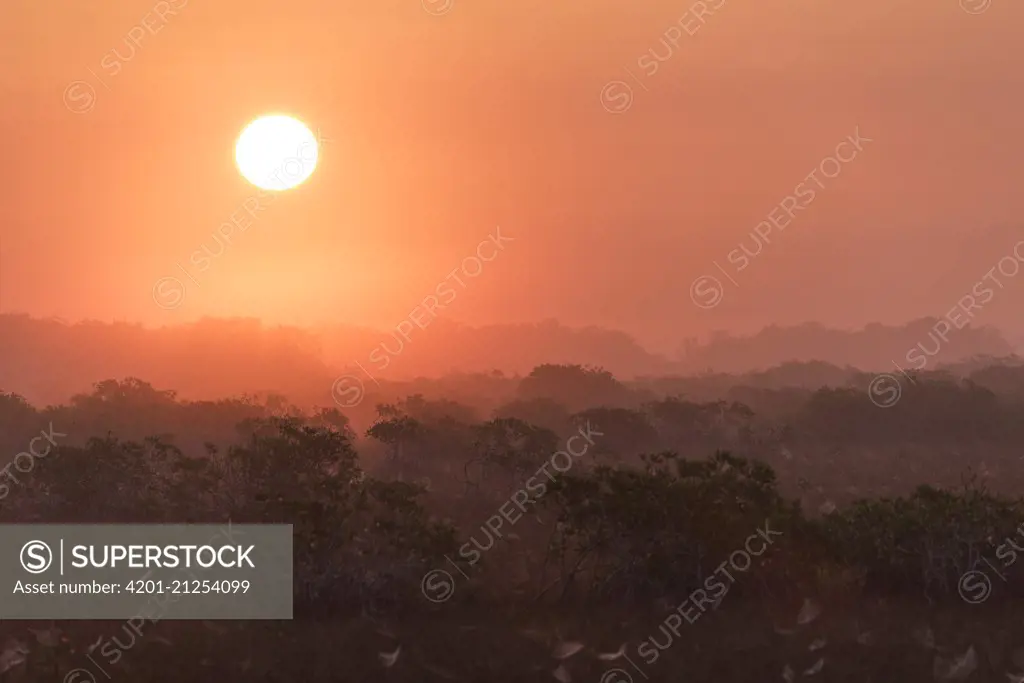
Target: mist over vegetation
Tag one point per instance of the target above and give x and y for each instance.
(522, 524)
(48, 361)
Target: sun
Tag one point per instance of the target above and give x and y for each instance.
(276, 152)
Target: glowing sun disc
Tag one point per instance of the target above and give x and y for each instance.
(276, 152)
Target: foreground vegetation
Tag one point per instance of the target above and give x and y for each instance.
(478, 551)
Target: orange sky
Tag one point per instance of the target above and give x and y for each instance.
(440, 128)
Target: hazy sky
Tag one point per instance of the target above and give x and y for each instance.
(440, 128)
